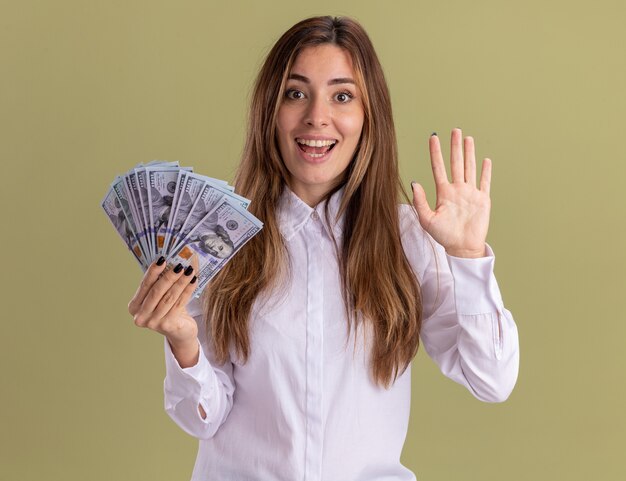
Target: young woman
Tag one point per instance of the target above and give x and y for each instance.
(297, 363)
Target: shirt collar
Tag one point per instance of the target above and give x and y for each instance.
(293, 213)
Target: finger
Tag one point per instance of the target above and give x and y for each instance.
(158, 289)
(485, 176)
(420, 202)
(149, 278)
(470, 161)
(456, 156)
(436, 160)
(171, 323)
(185, 296)
(170, 302)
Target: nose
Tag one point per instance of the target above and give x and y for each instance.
(317, 113)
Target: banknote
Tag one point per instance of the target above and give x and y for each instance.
(144, 206)
(215, 240)
(199, 196)
(162, 182)
(190, 187)
(162, 209)
(123, 194)
(188, 192)
(112, 205)
(132, 192)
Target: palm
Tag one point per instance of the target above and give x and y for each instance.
(461, 217)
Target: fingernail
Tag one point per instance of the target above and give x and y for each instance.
(413, 184)
(178, 268)
(188, 271)
(193, 280)
(434, 133)
(160, 261)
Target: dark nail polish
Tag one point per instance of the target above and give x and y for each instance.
(178, 268)
(189, 270)
(160, 261)
(193, 280)
(434, 133)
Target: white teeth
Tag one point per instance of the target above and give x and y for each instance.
(316, 143)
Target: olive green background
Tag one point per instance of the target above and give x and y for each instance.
(88, 89)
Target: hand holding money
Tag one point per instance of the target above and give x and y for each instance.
(182, 228)
(160, 304)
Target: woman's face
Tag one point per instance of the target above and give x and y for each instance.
(319, 121)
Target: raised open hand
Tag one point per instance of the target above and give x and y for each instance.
(460, 220)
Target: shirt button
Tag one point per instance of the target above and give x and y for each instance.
(314, 215)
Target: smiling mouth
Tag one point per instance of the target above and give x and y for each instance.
(316, 150)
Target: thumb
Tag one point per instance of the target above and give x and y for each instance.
(421, 204)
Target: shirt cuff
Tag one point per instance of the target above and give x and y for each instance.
(197, 380)
(475, 288)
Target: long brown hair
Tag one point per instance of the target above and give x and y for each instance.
(379, 286)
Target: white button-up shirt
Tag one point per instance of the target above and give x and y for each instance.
(304, 406)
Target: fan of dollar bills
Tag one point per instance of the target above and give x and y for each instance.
(162, 209)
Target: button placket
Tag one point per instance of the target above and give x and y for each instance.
(314, 354)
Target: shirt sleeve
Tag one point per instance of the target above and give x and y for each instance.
(206, 384)
(466, 329)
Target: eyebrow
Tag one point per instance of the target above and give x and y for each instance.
(335, 81)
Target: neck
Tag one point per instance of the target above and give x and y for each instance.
(310, 194)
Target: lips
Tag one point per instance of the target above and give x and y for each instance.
(315, 147)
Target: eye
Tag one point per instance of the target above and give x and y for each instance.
(344, 97)
(294, 94)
